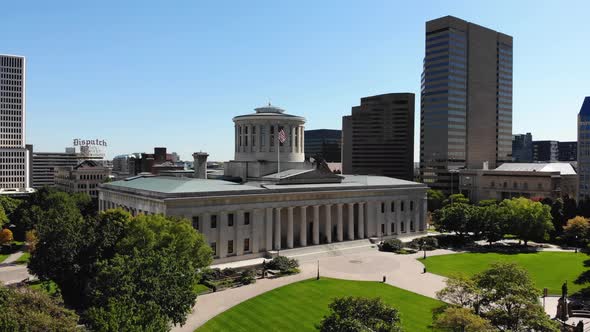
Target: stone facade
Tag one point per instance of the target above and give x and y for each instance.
(246, 224)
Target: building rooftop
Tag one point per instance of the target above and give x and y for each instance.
(562, 168)
(166, 187)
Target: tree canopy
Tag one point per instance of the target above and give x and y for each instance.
(123, 271)
(504, 295)
(24, 309)
(356, 314)
(529, 220)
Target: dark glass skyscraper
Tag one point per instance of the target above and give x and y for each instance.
(584, 150)
(466, 102)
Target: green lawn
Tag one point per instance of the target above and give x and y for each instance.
(23, 259)
(547, 269)
(200, 288)
(48, 287)
(300, 306)
(3, 257)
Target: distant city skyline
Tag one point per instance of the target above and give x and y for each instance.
(147, 75)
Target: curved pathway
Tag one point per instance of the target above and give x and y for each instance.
(403, 271)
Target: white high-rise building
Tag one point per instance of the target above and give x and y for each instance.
(14, 159)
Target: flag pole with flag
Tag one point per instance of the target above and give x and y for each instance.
(282, 138)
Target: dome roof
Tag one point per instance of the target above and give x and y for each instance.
(269, 109)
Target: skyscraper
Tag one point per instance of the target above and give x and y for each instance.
(466, 104)
(324, 142)
(522, 148)
(13, 155)
(378, 138)
(584, 150)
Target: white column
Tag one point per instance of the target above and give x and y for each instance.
(351, 221)
(303, 226)
(239, 242)
(378, 218)
(424, 213)
(290, 227)
(398, 216)
(416, 220)
(388, 218)
(407, 214)
(206, 229)
(268, 233)
(221, 231)
(316, 224)
(339, 226)
(255, 237)
(277, 228)
(328, 229)
(361, 223)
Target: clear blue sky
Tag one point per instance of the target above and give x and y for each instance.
(173, 73)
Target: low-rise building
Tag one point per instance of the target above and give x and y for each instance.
(531, 180)
(270, 199)
(45, 163)
(82, 178)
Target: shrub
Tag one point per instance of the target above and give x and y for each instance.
(6, 236)
(424, 243)
(247, 277)
(392, 245)
(284, 264)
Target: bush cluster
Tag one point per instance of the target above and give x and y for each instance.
(284, 264)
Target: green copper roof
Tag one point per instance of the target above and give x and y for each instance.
(164, 184)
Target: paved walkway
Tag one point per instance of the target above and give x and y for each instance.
(402, 271)
(11, 273)
(12, 258)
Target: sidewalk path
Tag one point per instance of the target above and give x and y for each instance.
(403, 271)
(12, 258)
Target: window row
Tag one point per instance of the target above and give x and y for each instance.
(196, 220)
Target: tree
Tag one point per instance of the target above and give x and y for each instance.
(435, 199)
(6, 236)
(283, 264)
(504, 295)
(530, 220)
(32, 240)
(152, 274)
(23, 309)
(495, 220)
(3, 218)
(508, 299)
(577, 231)
(457, 319)
(454, 218)
(62, 237)
(456, 198)
(351, 314)
(460, 291)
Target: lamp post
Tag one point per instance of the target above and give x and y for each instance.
(576, 245)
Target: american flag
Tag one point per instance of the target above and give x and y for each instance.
(282, 136)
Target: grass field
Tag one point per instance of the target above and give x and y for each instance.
(300, 306)
(547, 269)
(3, 257)
(23, 259)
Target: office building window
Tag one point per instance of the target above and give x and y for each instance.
(402, 206)
(214, 221)
(230, 219)
(230, 246)
(411, 205)
(403, 226)
(246, 244)
(214, 248)
(392, 206)
(393, 227)
(382, 207)
(196, 222)
(247, 218)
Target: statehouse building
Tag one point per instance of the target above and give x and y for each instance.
(271, 199)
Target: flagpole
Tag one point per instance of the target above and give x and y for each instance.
(278, 153)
